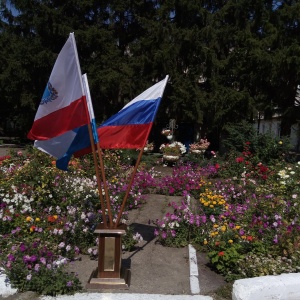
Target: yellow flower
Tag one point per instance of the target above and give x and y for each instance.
(230, 241)
(205, 242)
(243, 237)
(214, 202)
(28, 219)
(223, 228)
(237, 227)
(280, 142)
(37, 219)
(216, 225)
(211, 206)
(55, 217)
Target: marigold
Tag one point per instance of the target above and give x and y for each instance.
(28, 219)
(223, 228)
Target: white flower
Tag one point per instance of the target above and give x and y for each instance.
(61, 245)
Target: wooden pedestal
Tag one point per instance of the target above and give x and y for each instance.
(109, 273)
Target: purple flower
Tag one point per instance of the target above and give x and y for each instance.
(37, 267)
(43, 260)
(69, 283)
(33, 258)
(23, 248)
(35, 244)
(26, 258)
(49, 254)
(10, 257)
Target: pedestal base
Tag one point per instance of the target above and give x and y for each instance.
(111, 272)
(96, 283)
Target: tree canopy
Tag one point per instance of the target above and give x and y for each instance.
(226, 58)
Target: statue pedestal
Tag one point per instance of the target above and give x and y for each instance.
(110, 274)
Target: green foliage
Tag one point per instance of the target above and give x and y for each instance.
(264, 148)
(225, 261)
(61, 282)
(225, 60)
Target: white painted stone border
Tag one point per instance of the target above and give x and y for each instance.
(277, 287)
(5, 288)
(194, 274)
(117, 296)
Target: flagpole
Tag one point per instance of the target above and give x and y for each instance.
(90, 133)
(92, 140)
(130, 185)
(105, 185)
(100, 156)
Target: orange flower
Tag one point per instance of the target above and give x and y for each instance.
(32, 228)
(51, 219)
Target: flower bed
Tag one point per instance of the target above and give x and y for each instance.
(246, 217)
(248, 224)
(48, 217)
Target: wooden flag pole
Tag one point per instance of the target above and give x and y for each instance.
(129, 187)
(105, 185)
(97, 171)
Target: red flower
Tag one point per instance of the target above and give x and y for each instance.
(248, 143)
(263, 169)
(239, 159)
(51, 219)
(221, 253)
(217, 166)
(249, 238)
(217, 243)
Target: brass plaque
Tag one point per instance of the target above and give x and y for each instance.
(109, 254)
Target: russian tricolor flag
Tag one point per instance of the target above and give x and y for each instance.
(62, 107)
(130, 127)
